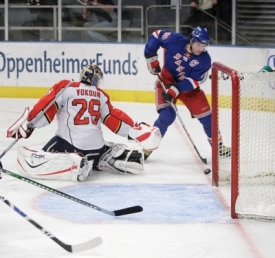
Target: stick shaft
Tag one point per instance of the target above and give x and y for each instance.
(70, 248)
(182, 124)
(9, 147)
(125, 211)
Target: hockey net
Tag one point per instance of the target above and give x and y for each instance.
(243, 104)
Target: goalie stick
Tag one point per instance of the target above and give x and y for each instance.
(121, 212)
(183, 125)
(8, 148)
(70, 248)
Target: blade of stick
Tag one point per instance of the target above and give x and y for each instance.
(70, 248)
(120, 212)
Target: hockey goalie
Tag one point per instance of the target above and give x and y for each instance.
(78, 147)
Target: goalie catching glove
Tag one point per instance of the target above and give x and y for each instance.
(147, 137)
(21, 129)
(153, 64)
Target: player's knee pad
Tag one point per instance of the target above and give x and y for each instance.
(122, 160)
(58, 166)
(148, 137)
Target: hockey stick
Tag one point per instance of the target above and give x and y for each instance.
(184, 127)
(70, 248)
(9, 147)
(121, 212)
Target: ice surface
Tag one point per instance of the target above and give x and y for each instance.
(183, 216)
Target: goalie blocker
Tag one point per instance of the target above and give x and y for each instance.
(118, 158)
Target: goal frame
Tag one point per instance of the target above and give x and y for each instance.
(235, 129)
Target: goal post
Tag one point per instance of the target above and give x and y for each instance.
(243, 112)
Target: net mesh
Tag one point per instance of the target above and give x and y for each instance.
(256, 138)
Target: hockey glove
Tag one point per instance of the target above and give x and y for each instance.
(21, 129)
(146, 136)
(153, 65)
(24, 131)
(170, 94)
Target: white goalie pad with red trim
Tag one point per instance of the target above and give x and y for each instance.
(47, 165)
(148, 137)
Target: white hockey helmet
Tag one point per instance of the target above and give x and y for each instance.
(91, 75)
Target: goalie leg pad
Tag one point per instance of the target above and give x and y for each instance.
(122, 160)
(57, 166)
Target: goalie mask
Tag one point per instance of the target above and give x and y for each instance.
(91, 75)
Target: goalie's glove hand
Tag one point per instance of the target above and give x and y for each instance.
(148, 137)
(24, 131)
(153, 64)
(171, 93)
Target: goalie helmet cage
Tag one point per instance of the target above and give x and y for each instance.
(243, 106)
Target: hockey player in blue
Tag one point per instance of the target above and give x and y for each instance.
(186, 62)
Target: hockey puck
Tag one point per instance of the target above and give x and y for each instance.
(207, 171)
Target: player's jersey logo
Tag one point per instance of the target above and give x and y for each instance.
(178, 62)
(186, 56)
(165, 35)
(177, 56)
(180, 68)
(193, 63)
(182, 78)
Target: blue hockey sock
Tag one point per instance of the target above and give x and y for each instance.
(166, 117)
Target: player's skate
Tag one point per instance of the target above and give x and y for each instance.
(224, 151)
(147, 153)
